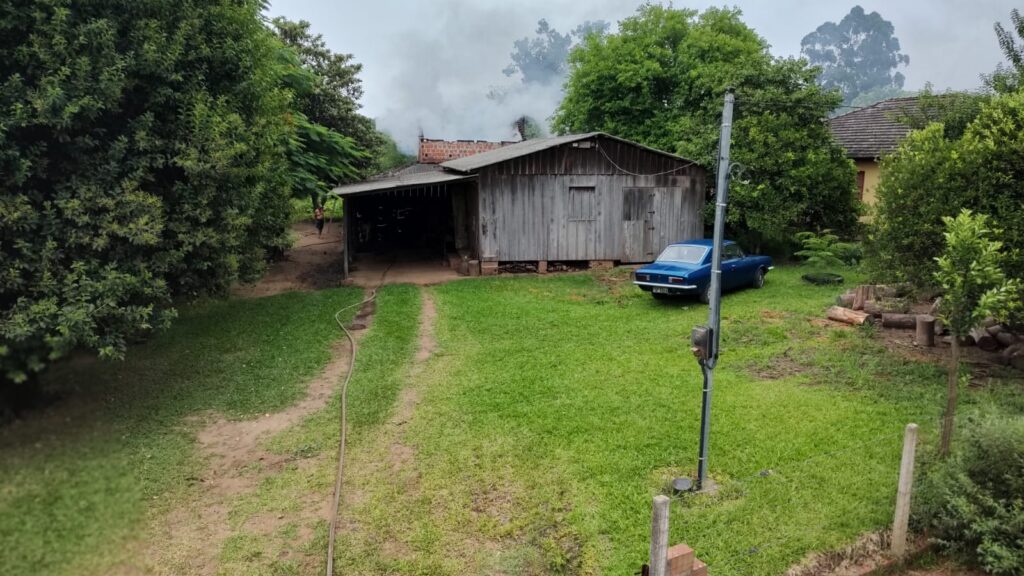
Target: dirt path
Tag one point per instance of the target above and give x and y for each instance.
(388, 458)
(188, 540)
(313, 263)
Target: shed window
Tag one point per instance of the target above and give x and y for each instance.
(582, 203)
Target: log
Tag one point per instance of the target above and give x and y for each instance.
(904, 321)
(925, 330)
(935, 306)
(883, 291)
(847, 316)
(845, 300)
(1014, 355)
(873, 307)
(984, 340)
(994, 329)
(990, 321)
(1006, 338)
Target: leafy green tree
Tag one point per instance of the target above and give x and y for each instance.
(975, 287)
(922, 181)
(1007, 79)
(660, 81)
(955, 110)
(146, 157)
(931, 176)
(330, 96)
(319, 156)
(391, 157)
(857, 55)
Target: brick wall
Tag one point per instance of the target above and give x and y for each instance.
(438, 151)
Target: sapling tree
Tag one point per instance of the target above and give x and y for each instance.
(970, 272)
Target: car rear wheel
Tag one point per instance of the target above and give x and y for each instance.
(759, 278)
(705, 294)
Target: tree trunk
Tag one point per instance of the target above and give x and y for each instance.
(925, 330)
(953, 387)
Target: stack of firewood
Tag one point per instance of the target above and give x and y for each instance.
(890, 307)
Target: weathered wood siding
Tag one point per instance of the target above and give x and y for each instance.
(540, 206)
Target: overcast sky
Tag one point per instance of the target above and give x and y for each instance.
(428, 64)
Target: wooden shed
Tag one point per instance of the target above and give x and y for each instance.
(583, 197)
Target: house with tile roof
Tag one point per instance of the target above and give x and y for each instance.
(870, 133)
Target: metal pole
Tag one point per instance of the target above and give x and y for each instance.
(715, 310)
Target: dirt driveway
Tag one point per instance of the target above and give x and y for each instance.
(313, 263)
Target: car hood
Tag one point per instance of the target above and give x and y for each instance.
(669, 268)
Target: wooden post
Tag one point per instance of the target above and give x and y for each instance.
(345, 225)
(899, 524)
(659, 536)
(925, 330)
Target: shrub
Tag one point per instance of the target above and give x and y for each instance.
(823, 249)
(973, 505)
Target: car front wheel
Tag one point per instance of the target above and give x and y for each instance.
(759, 278)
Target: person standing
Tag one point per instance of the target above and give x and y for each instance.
(318, 215)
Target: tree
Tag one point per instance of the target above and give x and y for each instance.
(1009, 79)
(543, 59)
(975, 287)
(331, 95)
(660, 81)
(857, 55)
(932, 175)
(145, 159)
(319, 156)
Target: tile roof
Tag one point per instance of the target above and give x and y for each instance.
(873, 132)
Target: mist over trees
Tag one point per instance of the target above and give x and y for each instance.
(857, 56)
(660, 80)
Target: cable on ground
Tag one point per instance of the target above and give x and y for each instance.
(336, 501)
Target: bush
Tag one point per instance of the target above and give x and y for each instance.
(931, 176)
(973, 505)
(823, 249)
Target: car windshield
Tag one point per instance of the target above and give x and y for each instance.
(685, 254)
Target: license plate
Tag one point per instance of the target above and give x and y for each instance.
(660, 290)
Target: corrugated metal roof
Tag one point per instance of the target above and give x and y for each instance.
(477, 161)
(401, 182)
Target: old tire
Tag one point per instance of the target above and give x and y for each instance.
(822, 278)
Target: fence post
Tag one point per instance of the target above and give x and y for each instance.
(659, 536)
(899, 524)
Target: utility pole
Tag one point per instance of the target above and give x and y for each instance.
(709, 356)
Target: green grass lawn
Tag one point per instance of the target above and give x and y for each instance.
(554, 409)
(557, 407)
(79, 481)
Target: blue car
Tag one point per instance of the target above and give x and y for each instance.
(685, 268)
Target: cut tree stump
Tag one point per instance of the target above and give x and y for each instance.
(904, 321)
(847, 316)
(862, 294)
(845, 300)
(925, 330)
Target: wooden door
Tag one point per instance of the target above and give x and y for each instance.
(638, 224)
